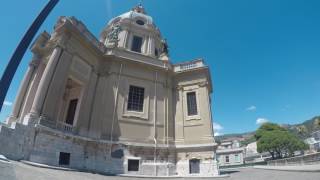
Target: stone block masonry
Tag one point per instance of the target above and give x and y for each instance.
(43, 145)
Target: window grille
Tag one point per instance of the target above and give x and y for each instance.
(135, 99)
(192, 103)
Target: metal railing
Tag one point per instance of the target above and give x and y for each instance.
(189, 65)
(64, 126)
(298, 160)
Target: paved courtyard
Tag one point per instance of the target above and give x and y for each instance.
(20, 171)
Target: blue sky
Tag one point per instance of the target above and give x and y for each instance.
(264, 56)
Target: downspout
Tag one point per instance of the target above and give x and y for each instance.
(210, 114)
(154, 124)
(167, 125)
(115, 107)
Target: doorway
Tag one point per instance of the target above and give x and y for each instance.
(194, 166)
(71, 111)
(133, 165)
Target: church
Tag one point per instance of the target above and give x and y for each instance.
(113, 105)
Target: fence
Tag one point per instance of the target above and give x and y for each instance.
(298, 160)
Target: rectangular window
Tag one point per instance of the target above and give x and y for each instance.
(237, 157)
(227, 159)
(156, 53)
(71, 111)
(194, 166)
(133, 165)
(64, 158)
(135, 99)
(136, 44)
(192, 103)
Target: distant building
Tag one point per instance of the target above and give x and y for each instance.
(316, 135)
(252, 155)
(230, 153)
(313, 142)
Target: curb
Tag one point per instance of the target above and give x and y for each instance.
(170, 177)
(46, 166)
(288, 169)
(121, 175)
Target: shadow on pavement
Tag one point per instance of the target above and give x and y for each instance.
(222, 172)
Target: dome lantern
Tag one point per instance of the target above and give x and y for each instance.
(135, 31)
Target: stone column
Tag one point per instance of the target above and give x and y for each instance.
(150, 48)
(55, 92)
(123, 39)
(32, 90)
(44, 83)
(23, 90)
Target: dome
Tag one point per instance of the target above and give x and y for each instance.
(137, 13)
(135, 31)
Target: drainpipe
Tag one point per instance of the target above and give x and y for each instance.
(154, 124)
(115, 107)
(167, 125)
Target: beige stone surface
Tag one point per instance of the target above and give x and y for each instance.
(73, 64)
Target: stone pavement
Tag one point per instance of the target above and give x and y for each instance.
(307, 168)
(20, 171)
(261, 174)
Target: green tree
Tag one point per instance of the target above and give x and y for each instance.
(277, 141)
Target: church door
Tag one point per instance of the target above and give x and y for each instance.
(194, 166)
(71, 111)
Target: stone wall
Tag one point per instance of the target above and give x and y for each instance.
(16, 140)
(208, 165)
(84, 154)
(41, 144)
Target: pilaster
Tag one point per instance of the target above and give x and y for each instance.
(86, 105)
(179, 119)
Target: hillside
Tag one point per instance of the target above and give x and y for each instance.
(305, 129)
(302, 130)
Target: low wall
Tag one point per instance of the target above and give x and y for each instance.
(298, 160)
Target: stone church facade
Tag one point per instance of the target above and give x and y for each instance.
(115, 105)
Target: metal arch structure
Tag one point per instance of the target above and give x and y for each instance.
(21, 49)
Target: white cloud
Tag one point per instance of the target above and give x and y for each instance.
(217, 126)
(251, 108)
(217, 129)
(217, 134)
(7, 103)
(261, 121)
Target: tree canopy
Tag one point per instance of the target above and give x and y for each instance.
(277, 141)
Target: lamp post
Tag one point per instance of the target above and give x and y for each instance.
(21, 49)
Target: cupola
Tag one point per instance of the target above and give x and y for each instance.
(135, 31)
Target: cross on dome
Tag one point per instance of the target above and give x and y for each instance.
(139, 8)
